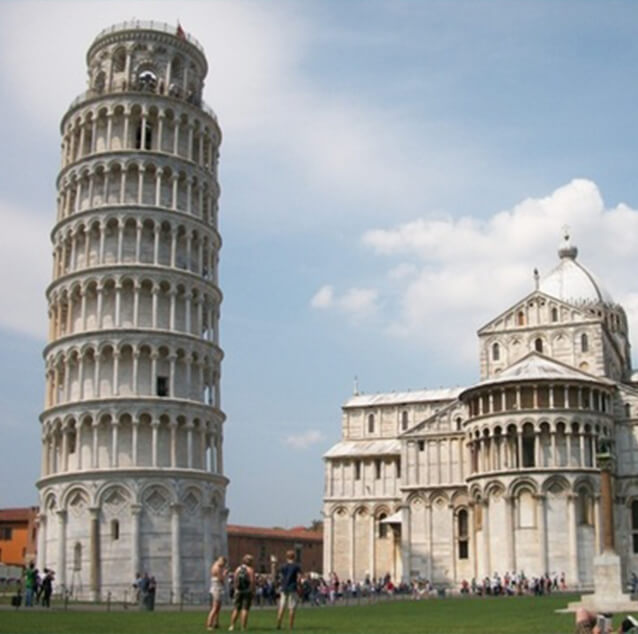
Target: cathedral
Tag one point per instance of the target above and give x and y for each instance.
(501, 476)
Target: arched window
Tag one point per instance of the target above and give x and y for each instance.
(528, 446)
(627, 410)
(520, 318)
(462, 537)
(371, 423)
(584, 508)
(459, 422)
(115, 530)
(148, 137)
(77, 556)
(404, 421)
(634, 525)
(538, 345)
(584, 343)
(119, 60)
(357, 469)
(383, 527)
(496, 352)
(377, 469)
(554, 314)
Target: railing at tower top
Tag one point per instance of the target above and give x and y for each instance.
(152, 25)
(91, 93)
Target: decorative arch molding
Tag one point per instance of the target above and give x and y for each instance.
(522, 484)
(557, 484)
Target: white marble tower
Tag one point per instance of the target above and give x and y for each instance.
(132, 472)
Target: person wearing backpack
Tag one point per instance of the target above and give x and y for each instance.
(244, 582)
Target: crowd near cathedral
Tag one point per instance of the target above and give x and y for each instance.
(445, 485)
(501, 476)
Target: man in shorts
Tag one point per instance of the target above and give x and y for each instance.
(244, 583)
(290, 574)
(217, 579)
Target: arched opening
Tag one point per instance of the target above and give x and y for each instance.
(528, 446)
(554, 314)
(584, 508)
(371, 423)
(404, 421)
(584, 343)
(115, 530)
(459, 422)
(77, 557)
(119, 60)
(496, 352)
(147, 80)
(462, 534)
(383, 527)
(520, 318)
(538, 345)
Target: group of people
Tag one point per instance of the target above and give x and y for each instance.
(38, 588)
(515, 583)
(145, 587)
(244, 584)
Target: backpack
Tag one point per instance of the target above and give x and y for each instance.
(242, 581)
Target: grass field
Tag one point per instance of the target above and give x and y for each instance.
(517, 615)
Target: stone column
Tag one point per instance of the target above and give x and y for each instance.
(406, 554)
(176, 562)
(509, 533)
(173, 428)
(573, 579)
(352, 540)
(486, 538)
(207, 511)
(136, 510)
(135, 423)
(327, 544)
(597, 526)
(42, 541)
(154, 433)
(60, 570)
(428, 527)
(94, 549)
(115, 448)
(541, 520)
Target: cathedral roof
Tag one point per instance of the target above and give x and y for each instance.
(396, 398)
(352, 448)
(537, 367)
(571, 282)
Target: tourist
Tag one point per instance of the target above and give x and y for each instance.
(47, 588)
(30, 584)
(218, 573)
(244, 582)
(143, 595)
(152, 588)
(290, 574)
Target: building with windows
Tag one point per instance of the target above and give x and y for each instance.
(452, 484)
(132, 470)
(18, 535)
(268, 546)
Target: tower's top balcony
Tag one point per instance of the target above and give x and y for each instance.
(146, 57)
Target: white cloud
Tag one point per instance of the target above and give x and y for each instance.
(25, 270)
(304, 440)
(457, 273)
(259, 85)
(355, 302)
(323, 298)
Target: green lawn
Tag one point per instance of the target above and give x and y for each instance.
(524, 615)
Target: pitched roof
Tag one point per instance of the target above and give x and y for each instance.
(346, 448)
(396, 398)
(537, 367)
(278, 533)
(23, 514)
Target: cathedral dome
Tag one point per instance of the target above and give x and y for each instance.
(571, 282)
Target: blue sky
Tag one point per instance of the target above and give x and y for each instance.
(391, 173)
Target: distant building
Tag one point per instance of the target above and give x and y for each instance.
(264, 543)
(451, 484)
(18, 535)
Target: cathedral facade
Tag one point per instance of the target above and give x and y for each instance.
(502, 476)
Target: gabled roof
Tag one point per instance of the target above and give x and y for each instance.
(537, 367)
(354, 448)
(523, 301)
(396, 398)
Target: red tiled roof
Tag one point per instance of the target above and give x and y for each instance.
(281, 533)
(18, 514)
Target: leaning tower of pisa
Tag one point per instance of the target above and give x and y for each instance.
(132, 472)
